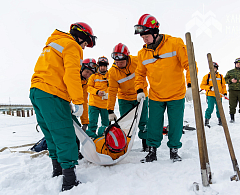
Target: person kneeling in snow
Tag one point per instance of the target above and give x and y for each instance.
(114, 143)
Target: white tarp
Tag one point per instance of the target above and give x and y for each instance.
(128, 123)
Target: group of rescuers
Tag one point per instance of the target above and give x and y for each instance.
(62, 81)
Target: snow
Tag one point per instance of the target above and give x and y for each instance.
(21, 175)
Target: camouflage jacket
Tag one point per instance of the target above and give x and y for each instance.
(234, 73)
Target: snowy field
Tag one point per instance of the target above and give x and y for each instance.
(21, 175)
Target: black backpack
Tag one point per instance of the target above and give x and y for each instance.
(209, 77)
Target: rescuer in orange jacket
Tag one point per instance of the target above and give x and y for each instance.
(122, 85)
(162, 60)
(98, 90)
(211, 99)
(88, 64)
(55, 83)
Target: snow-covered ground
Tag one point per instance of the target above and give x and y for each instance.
(19, 174)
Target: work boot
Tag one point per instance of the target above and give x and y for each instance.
(174, 155)
(69, 179)
(145, 147)
(219, 121)
(152, 155)
(207, 122)
(57, 169)
(232, 118)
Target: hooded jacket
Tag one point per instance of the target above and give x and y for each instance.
(98, 82)
(207, 85)
(57, 70)
(122, 83)
(165, 72)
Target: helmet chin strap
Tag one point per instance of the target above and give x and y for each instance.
(153, 32)
(154, 38)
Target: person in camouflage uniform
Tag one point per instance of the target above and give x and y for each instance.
(232, 78)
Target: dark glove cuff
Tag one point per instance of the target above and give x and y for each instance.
(110, 111)
(210, 87)
(189, 85)
(139, 91)
(225, 94)
(97, 92)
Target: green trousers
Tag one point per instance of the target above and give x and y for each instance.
(55, 119)
(234, 99)
(175, 112)
(125, 106)
(94, 113)
(211, 101)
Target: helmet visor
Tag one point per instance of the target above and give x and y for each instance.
(237, 60)
(103, 59)
(118, 56)
(91, 66)
(91, 41)
(140, 29)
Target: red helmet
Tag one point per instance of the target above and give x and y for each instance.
(145, 23)
(115, 138)
(102, 61)
(90, 64)
(120, 52)
(215, 65)
(87, 30)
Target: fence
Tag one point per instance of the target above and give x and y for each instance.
(17, 110)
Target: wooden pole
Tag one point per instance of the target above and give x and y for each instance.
(223, 119)
(18, 113)
(23, 113)
(205, 167)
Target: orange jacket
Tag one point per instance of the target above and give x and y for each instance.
(84, 118)
(102, 148)
(207, 83)
(165, 75)
(57, 70)
(122, 83)
(98, 82)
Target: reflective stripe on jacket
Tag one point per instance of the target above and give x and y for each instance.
(98, 82)
(122, 83)
(206, 85)
(57, 70)
(165, 74)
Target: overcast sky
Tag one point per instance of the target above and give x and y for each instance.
(26, 25)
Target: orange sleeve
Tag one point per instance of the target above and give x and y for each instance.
(112, 90)
(140, 75)
(90, 84)
(84, 118)
(72, 73)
